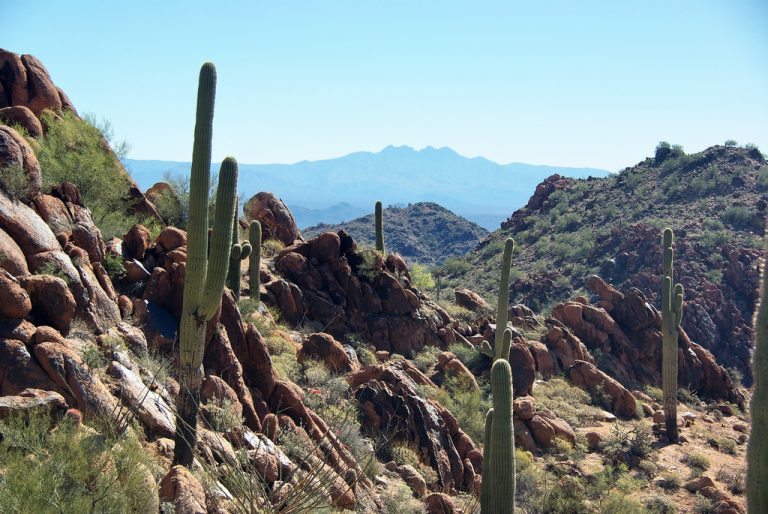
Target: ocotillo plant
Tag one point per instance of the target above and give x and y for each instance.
(237, 253)
(671, 315)
(757, 450)
(254, 277)
(498, 491)
(205, 273)
(378, 214)
(502, 305)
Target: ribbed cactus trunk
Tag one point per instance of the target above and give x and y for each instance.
(205, 273)
(671, 316)
(379, 216)
(254, 276)
(498, 491)
(502, 306)
(757, 450)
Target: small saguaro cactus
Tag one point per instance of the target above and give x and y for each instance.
(378, 214)
(502, 306)
(757, 450)
(498, 490)
(671, 316)
(238, 252)
(205, 271)
(254, 276)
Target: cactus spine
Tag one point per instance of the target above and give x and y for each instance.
(205, 273)
(378, 214)
(498, 490)
(254, 277)
(671, 315)
(237, 253)
(502, 306)
(757, 450)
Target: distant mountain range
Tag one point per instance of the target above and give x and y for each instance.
(335, 190)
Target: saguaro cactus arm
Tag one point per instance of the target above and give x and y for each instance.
(502, 305)
(254, 275)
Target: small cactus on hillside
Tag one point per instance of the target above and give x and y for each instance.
(498, 489)
(206, 271)
(378, 214)
(757, 450)
(671, 316)
(238, 252)
(254, 277)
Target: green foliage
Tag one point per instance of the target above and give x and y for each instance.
(688, 396)
(378, 215)
(13, 181)
(283, 355)
(271, 247)
(426, 358)
(724, 444)
(470, 357)
(114, 266)
(454, 266)
(738, 216)
(467, 405)
(70, 470)
(221, 415)
(571, 403)
(762, 178)
(369, 267)
(697, 461)
(49, 268)
(74, 150)
(731, 143)
(670, 481)
(421, 278)
(671, 316)
(626, 443)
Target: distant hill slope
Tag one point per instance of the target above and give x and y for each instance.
(476, 188)
(422, 232)
(715, 201)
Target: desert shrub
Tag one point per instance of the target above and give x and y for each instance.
(426, 358)
(49, 268)
(737, 216)
(687, 396)
(13, 181)
(697, 461)
(626, 443)
(618, 503)
(283, 356)
(247, 307)
(368, 267)
(421, 278)
(753, 151)
(702, 505)
(731, 143)
(221, 415)
(454, 266)
(670, 481)
(405, 453)
(70, 470)
(75, 150)
(571, 403)
(468, 405)
(660, 505)
(271, 247)
(93, 357)
(457, 312)
(365, 356)
(470, 357)
(724, 444)
(114, 266)
(398, 499)
(655, 392)
(156, 367)
(735, 480)
(762, 178)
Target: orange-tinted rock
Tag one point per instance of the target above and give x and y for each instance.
(276, 219)
(439, 503)
(32, 400)
(52, 302)
(15, 151)
(22, 116)
(15, 302)
(184, 491)
(136, 241)
(13, 260)
(42, 92)
(326, 349)
(470, 300)
(171, 238)
(586, 376)
(19, 370)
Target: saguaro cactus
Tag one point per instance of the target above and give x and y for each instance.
(498, 492)
(378, 214)
(671, 315)
(237, 253)
(205, 273)
(254, 277)
(757, 450)
(502, 306)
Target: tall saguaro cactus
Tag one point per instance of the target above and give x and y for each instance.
(502, 306)
(254, 276)
(757, 450)
(205, 271)
(379, 215)
(498, 491)
(671, 315)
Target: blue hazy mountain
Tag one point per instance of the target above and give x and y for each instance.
(476, 188)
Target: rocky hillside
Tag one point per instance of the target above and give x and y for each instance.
(336, 387)
(715, 202)
(422, 232)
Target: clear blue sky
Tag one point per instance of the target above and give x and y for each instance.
(580, 83)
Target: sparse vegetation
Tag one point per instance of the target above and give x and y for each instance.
(568, 401)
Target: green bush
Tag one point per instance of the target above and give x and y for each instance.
(75, 150)
(731, 143)
(469, 406)
(69, 469)
(568, 401)
(737, 216)
(13, 181)
(426, 358)
(697, 461)
(455, 266)
(670, 481)
(421, 278)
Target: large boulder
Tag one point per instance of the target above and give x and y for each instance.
(19, 370)
(586, 376)
(52, 301)
(22, 116)
(471, 300)
(276, 219)
(15, 151)
(15, 302)
(328, 350)
(180, 488)
(32, 400)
